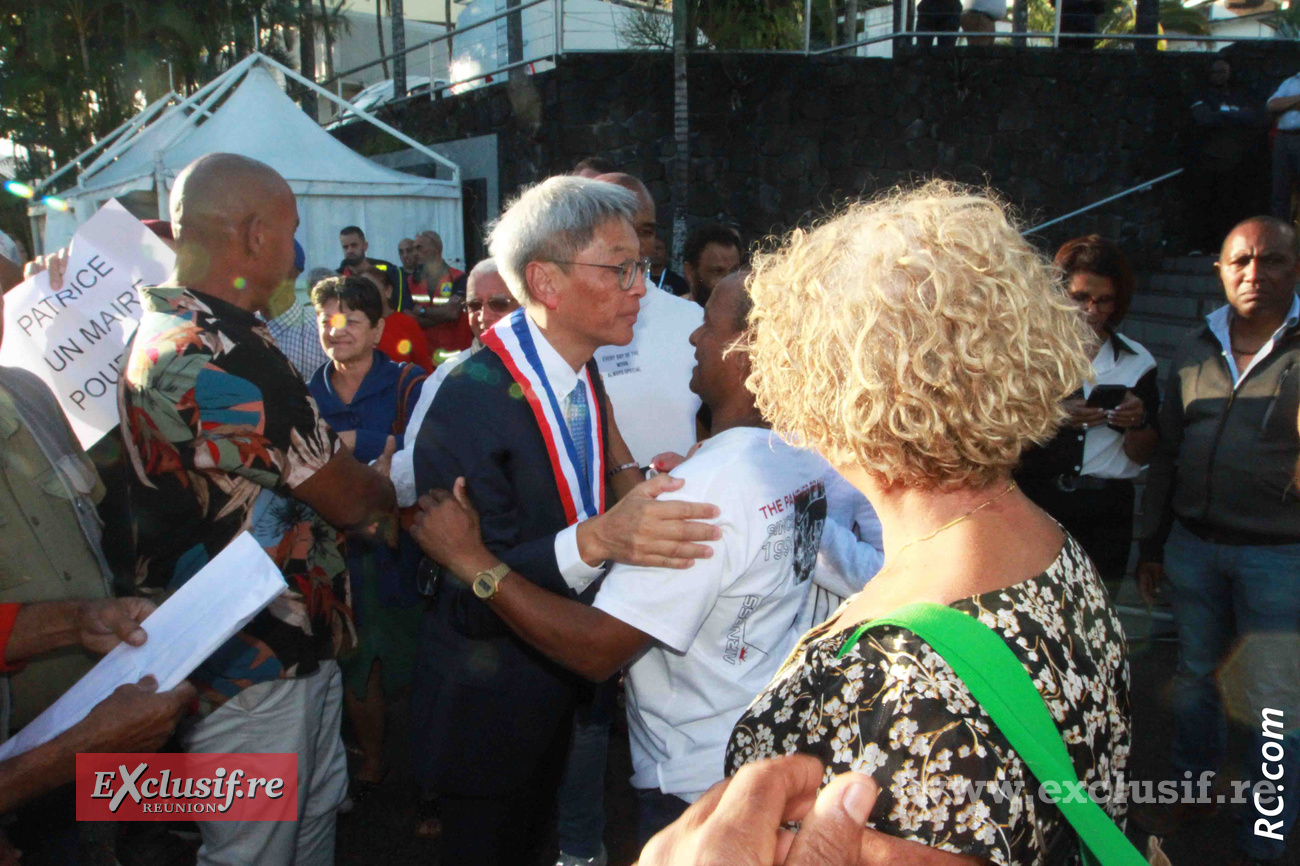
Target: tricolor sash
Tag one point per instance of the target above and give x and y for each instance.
(582, 497)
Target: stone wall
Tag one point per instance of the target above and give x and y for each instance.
(777, 140)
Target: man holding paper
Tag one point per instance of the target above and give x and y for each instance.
(223, 436)
(50, 537)
(135, 718)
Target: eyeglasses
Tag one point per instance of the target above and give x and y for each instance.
(627, 271)
(1086, 301)
(496, 305)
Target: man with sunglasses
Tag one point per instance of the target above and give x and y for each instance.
(526, 425)
(487, 300)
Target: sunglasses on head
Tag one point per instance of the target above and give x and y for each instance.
(496, 305)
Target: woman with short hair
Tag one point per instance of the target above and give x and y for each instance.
(920, 344)
(367, 398)
(1083, 476)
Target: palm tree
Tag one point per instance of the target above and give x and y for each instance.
(681, 129)
(307, 53)
(325, 18)
(1174, 15)
(1286, 22)
(379, 30)
(399, 47)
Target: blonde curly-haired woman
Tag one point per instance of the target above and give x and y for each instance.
(920, 344)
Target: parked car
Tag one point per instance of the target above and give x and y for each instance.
(381, 93)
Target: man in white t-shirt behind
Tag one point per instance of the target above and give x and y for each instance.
(648, 380)
(699, 642)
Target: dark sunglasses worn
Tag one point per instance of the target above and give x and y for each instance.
(496, 305)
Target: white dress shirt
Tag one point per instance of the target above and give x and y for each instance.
(563, 379)
(1221, 319)
(1290, 120)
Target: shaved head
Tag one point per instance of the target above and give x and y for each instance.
(629, 183)
(219, 189)
(644, 220)
(1284, 229)
(233, 219)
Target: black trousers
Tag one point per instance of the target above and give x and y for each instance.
(1100, 520)
(510, 829)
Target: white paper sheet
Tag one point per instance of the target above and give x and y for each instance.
(73, 339)
(187, 628)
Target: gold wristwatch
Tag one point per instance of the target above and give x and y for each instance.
(486, 582)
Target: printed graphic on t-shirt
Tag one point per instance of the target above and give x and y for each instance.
(809, 518)
(799, 532)
(620, 363)
(795, 534)
(736, 650)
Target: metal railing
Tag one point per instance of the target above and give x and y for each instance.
(1045, 36)
(899, 36)
(1141, 187)
(435, 89)
(442, 37)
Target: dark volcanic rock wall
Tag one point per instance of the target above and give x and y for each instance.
(776, 140)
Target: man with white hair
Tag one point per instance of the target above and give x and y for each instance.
(525, 429)
(648, 381)
(698, 644)
(488, 300)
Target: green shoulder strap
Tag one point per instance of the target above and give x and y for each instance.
(1000, 683)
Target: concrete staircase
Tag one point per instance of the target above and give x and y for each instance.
(1171, 302)
(1167, 305)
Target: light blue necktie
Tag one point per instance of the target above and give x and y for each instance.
(578, 417)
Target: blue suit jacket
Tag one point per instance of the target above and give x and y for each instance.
(487, 705)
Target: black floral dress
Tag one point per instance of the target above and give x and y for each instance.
(893, 709)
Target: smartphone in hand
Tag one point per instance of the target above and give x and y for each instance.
(1106, 396)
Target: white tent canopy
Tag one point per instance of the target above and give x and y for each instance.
(334, 185)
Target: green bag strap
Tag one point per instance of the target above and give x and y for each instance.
(1000, 683)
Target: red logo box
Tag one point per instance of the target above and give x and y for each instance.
(150, 786)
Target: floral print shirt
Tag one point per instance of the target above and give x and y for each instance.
(893, 709)
(219, 429)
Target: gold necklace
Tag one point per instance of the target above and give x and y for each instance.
(950, 524)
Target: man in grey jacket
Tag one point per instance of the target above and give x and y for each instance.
(1222, 507)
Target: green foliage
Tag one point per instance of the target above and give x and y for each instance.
(1121, 17)
(73, 70)
(1287, 21)
(751, 24)
(1176, 17)
(739, 25)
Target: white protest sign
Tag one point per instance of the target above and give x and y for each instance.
(73, 338)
